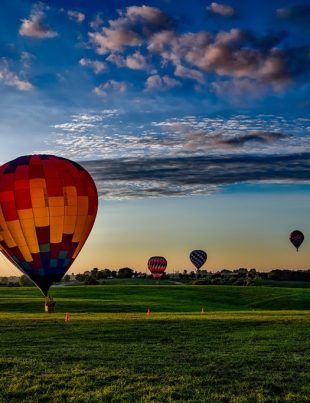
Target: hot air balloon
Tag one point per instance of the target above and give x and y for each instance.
(157, 266)
(297, 238)
(48, 206)
(198, 258)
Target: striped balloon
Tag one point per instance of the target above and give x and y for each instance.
(48, 206)
(157, 266)
(198, 258)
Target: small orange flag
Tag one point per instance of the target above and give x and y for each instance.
(148, 313)
(67, 317)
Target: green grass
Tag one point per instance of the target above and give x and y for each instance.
(160, 298)
(251, 345)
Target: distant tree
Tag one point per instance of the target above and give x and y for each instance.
(66, 278)
(24, 281)
(80, 277)
(11, 284)
(4, 280)
(91, 281)
(94, 272)
(252, 273)
(103, 274)
(125, 272)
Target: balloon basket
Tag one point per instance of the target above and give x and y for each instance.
(49, 309)
(49, 305)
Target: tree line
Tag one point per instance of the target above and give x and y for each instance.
(241, 276)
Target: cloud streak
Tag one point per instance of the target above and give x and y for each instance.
(158, 177)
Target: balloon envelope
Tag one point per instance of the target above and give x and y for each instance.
(297, 238)
(48, 206)
(198, 258)
(157, 266)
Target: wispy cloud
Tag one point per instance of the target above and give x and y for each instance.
(76, 16)
(96, 65)
(183, 156)
(156, 82)
(298, 14)
(10, 78)
(111, 135)
(111, 85)
(223, 10)
(35, 27)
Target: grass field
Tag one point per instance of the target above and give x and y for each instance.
(252, 344)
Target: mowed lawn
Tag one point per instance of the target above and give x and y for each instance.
(252, 344)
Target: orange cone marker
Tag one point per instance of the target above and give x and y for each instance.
(148, 313)
(67, 317)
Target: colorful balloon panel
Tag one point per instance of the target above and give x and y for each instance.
(296, 238)
(157, 266)
(48, 206)
(198, 258)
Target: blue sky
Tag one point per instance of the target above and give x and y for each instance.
(176, 108)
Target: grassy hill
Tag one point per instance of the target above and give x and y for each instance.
(160, 298)
(251, 345)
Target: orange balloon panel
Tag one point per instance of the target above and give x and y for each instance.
(48, 206)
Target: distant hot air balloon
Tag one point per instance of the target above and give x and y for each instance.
(48, 206)
(157, 266)
(198, 258)
(297, 238)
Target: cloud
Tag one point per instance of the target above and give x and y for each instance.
(97, 66)
(185, 72)
(247, 59)
(243, 139)
(223, 10)
(157, 177)
(199, 141)
(235, 53)
(183, 156)
(156, 82)
(76, 16)
(8, 77)
(34, 27)
(96, 22)
(131, 28)
(236, 90)
(115, 134)
(136, 61)
(110, 85)
(298, 14)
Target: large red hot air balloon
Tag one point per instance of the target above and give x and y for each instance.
(296, 238)
(157, 266)
(48, 206)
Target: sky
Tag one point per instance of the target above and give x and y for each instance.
(192, 118)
